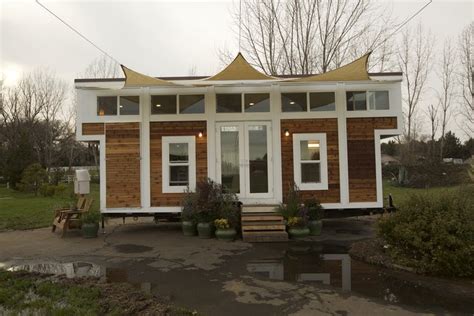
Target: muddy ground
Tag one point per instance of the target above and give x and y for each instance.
(314, 277)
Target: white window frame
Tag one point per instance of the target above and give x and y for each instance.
(165, 163)
(323, 163)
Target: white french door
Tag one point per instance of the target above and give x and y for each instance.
(244, 159)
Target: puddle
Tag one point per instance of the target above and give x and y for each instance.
(131, 248)
(83, 270)
(325, 266)
(332, 266)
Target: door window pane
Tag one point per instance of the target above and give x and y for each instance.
(309, 149)
(191, 104)
(293, 102)
(310, 172)
(179, 175)
(163, 104)
(229, 103)
(257, 102)
(258, 159)
(322, 101)
(129, 105)
(378, 100)
(179, 152)
(106, 106)
(356, 101)
(230, 165)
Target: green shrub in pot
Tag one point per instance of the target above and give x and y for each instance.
(90, 224)
(188, 215)
(315, 215)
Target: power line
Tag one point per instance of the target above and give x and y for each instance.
(77, 32)
(404, 23)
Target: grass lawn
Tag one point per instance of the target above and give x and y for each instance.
(20, 210)
(400, 194)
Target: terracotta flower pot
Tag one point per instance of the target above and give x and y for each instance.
(227, 234)
(90, 230)
(298, 232)
(205, 230)
(315, 227)
(189, 228)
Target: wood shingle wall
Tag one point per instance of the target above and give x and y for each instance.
(122, 154)
(160, 129)
(361, 156)
(328, 126)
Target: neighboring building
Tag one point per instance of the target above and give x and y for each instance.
(254, 133)
(389, 160)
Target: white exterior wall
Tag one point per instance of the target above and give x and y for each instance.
(87, 113)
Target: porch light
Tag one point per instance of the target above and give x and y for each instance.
(292, 102)
(120, 106)
(251, 104)
(200, 134)
(287, 133)
(158, 105)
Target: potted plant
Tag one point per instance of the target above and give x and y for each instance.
(208, 195)
(223, 230)
(297, 227)
(292, 205)
(188, 218)
(315, 215)
(90, 224)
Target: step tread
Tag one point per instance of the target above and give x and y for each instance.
(262, 218)
(263, 222)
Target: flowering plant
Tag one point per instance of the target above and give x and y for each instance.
(295, 221)
(222, 223)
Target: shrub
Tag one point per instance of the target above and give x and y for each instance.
(314, 209)
(47, 190)
(33, 177)
(209, 202)
(60, 189)
(426, 174)
(222, 223)
(433, 234)
(91, 217)
(293, 203)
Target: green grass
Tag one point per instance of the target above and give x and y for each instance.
(21, 292)
(401, 194)
(20, 210)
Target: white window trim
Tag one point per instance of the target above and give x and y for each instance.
(165, 142)
(321, 137)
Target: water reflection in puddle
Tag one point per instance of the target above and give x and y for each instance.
(332, 266)
(329, 269)
(83, 270)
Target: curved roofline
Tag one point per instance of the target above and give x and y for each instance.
(172, 78)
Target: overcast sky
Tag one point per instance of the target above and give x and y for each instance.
(159, 38)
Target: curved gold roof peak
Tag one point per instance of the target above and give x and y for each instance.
(136, 79)
(240, 69)
(354, 71)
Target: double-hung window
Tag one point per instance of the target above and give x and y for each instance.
(178, 163)
(310, 161)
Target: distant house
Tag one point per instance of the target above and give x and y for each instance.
(454, 161)
(254, 133)
(389, 160)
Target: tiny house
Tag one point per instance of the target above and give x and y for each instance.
(254, 133)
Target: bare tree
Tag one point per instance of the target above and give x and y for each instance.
(30, 123)
(433, 116)
(314, 36)
(447, 93)
(102, 67)
(465, 78)
(414, 57)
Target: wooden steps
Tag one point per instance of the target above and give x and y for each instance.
(263, 227)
